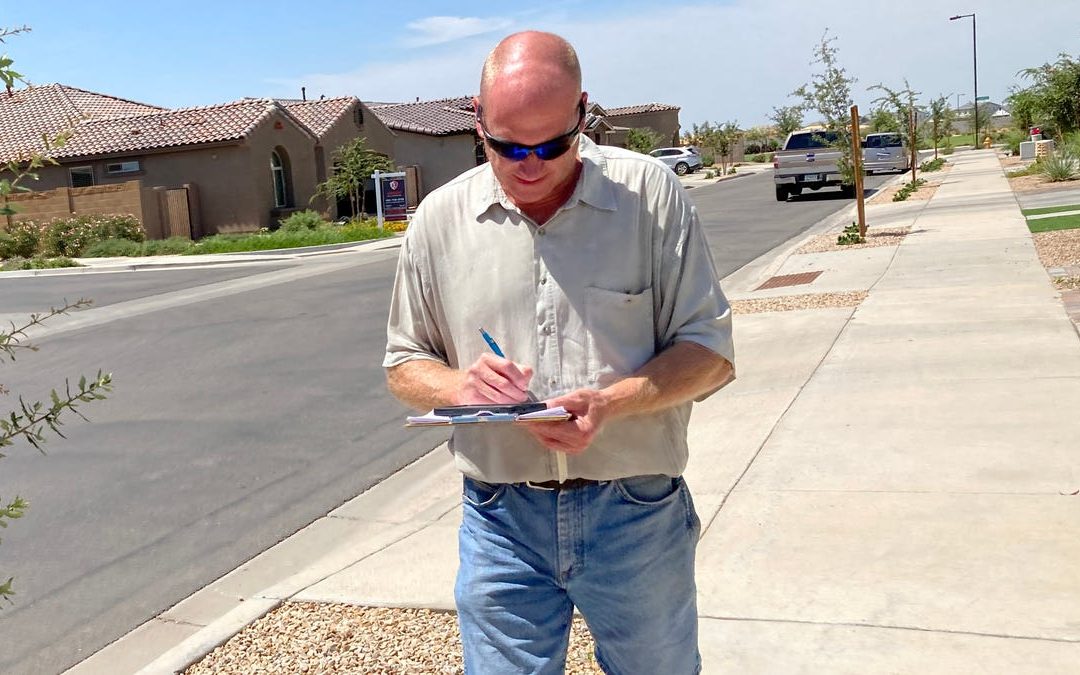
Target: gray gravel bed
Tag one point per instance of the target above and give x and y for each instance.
(331, 639)
(787, 303)
(1058, 248)
(874, 237)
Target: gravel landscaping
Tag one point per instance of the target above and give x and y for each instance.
(880, 237)
(1059, 248)
(331, 639)
(787, 303)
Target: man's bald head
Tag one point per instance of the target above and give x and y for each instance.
(541, 60)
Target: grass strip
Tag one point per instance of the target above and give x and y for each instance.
(1051, 224)
(1049, 209)
(239, 243)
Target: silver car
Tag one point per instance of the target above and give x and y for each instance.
(681, 160)
(885, 152)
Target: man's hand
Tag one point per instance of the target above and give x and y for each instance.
(589, 410)
(492, 379)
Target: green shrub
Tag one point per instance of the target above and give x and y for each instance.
(21, 240)
(170, 246)
(948, 150)
(905, 192)
(36, 264)
(707, 160)
(113, 248)
(71, 236)
(1012, 138)
(850, 236)
(932, 164)
(301, 221)
(1060, 165)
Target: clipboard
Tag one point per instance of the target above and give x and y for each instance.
(514, 413)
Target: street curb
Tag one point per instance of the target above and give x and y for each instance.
(238, 258)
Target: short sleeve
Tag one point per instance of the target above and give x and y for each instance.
(412, 331)
(692, 304)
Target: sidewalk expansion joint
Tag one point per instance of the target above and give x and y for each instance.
(916, 629)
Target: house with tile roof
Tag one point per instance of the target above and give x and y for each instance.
(439, 136)
(660, 117)
(244, 164)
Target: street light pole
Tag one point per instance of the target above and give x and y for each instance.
(975, 67)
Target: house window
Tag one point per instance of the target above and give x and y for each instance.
(131, 166)
(81, 176)
(279, 169)
(358, 116)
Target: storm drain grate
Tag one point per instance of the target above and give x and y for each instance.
(789, 280)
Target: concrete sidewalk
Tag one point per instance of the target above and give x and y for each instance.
(885, 488)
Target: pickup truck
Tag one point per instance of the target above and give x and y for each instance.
(808, 160)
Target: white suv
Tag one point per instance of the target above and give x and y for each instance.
(681, 160)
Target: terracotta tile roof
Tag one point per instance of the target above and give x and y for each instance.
(442, 117)
(320, 115)
(103, 124)
(168, 128)
(635, 109)
(47, 110)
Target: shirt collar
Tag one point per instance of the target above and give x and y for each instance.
(593, 186)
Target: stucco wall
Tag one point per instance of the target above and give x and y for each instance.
(663, 122)
(441, 158)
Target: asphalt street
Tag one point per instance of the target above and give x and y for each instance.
(235, 422)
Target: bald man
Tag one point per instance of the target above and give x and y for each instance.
(589, 267)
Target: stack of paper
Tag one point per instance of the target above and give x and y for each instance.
(556, 414)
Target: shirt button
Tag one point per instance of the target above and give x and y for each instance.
(541, 231)
(543, 280)
(553, 381)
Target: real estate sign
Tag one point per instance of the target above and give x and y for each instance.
(390, 196)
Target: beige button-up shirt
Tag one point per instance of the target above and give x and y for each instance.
(618, 274)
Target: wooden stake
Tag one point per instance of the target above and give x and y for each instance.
(857, 162)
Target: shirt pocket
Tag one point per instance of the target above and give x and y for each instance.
(619, 331)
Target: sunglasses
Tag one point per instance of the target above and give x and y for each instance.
(517, 152)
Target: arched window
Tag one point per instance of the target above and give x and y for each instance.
(279, 170)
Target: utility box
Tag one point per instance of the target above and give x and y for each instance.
(1027, 150)
(1044, 148)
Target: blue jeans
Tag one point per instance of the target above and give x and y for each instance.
(621, 551)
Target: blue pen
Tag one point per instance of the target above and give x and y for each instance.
(491, 343)
(499, 352)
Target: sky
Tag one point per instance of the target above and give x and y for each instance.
(726, 60)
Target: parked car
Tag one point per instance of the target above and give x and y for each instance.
(808, 161)
(681, 160)
(885, 152)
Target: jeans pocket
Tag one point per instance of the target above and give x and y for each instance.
(480, 494)
(648, 490)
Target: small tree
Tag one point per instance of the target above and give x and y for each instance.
(942, 118)
(31, 419)
(725, 137)
(787, 118)
(354, 163)
(642, 140)
(829, 95)
(901, 104)
(883, 120)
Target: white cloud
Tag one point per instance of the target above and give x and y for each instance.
(435, 30)
(737, 59)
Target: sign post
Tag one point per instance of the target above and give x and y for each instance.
(390, 197)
